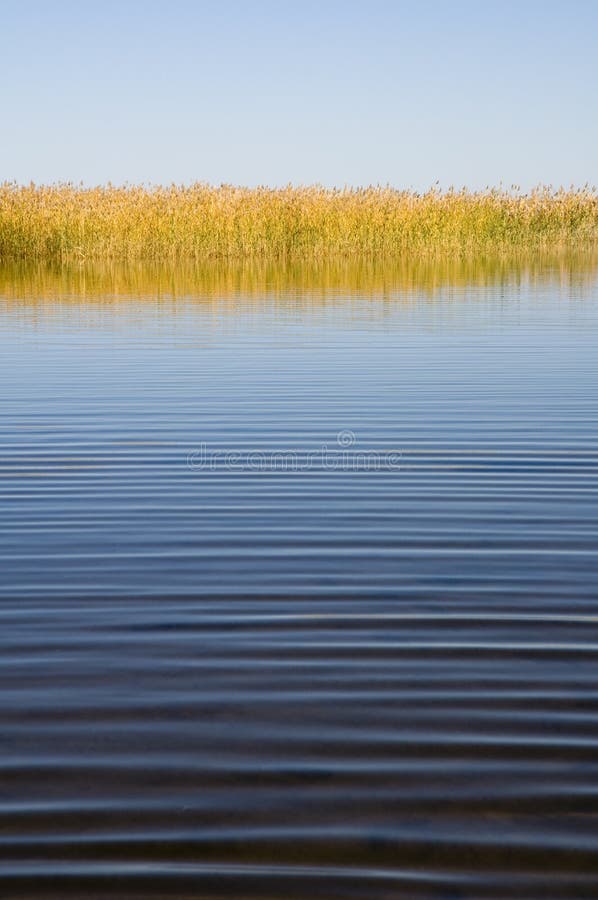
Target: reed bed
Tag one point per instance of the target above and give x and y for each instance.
(199, 222)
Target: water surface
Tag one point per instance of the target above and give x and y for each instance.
(299, 580)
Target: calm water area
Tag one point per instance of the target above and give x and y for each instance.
(299, 580)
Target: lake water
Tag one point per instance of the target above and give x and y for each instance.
(299, 581)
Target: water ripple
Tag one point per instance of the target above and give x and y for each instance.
(224, 679)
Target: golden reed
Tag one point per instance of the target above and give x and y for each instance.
(67, 222)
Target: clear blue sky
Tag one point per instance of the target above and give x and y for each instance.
(270, 92)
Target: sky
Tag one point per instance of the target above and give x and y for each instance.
(273, 92)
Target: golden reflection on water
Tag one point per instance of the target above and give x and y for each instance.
(377, 279)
